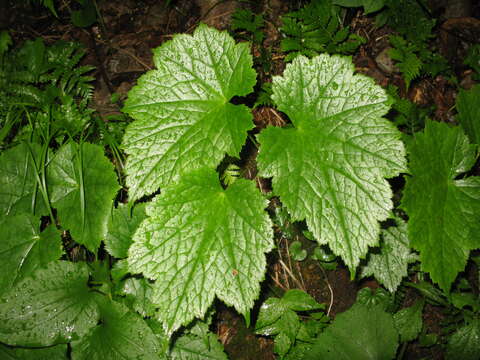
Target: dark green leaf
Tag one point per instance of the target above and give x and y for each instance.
(82, 185)
(444, 211)
(52, 306)
(361, 333)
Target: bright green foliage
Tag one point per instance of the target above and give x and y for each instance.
(51, 307)
(244, 19)
(51, 353)
(46, 3)
(390, 266)
(296, 251)
(23, 248)
(465, 342)
(183, 117)
(315, 29)
(121, 226)
(278, 318)
(444, 211)
(200, 241)
(329, 168)
(197, 344)
(468, 107)
(407, 61)
(369, 6)
(121, 335)
(409, 322)
(359, 333)
(82, 186)
(18, 185)
(138, 294)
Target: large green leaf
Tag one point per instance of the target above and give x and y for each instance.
(18, 186)
(52, 306)
(121, 225)
(468, 107)
(183, 117)
(58, 352)
(121, 335)
(200, 241)
(360, 333)
(390, 266)
(23, 248)
(330, 167)
(443, 210)
(82, 187)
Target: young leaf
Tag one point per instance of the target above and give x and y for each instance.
(465, 342)
(375, 336)
(52, 306)
(82, 187)
(444, 212)
(121, 227)
(390, 266)
(122, 334)
(18, 186)
(183, 117)
(49, 353)
(23, 248)
(468, 107)
(200, 241)
(329, 168)
(408, 322)
(198, 345)
(138, 293)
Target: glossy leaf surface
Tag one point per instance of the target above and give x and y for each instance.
(200, 241)
(330, 167)
(121, 335)
(52, 306)
(23, 248)
(183, 117)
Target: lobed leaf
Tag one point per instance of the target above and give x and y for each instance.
(443, 210)
(330, 166)
(183, 117)
(200, 241)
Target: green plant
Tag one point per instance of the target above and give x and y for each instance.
(293, 334)
(188, 236)
(473, 59)
(317, 28)
(406, 115)
(245, 19)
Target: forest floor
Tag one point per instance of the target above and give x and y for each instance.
(120, 47)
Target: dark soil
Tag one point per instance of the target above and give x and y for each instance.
(120, 47)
